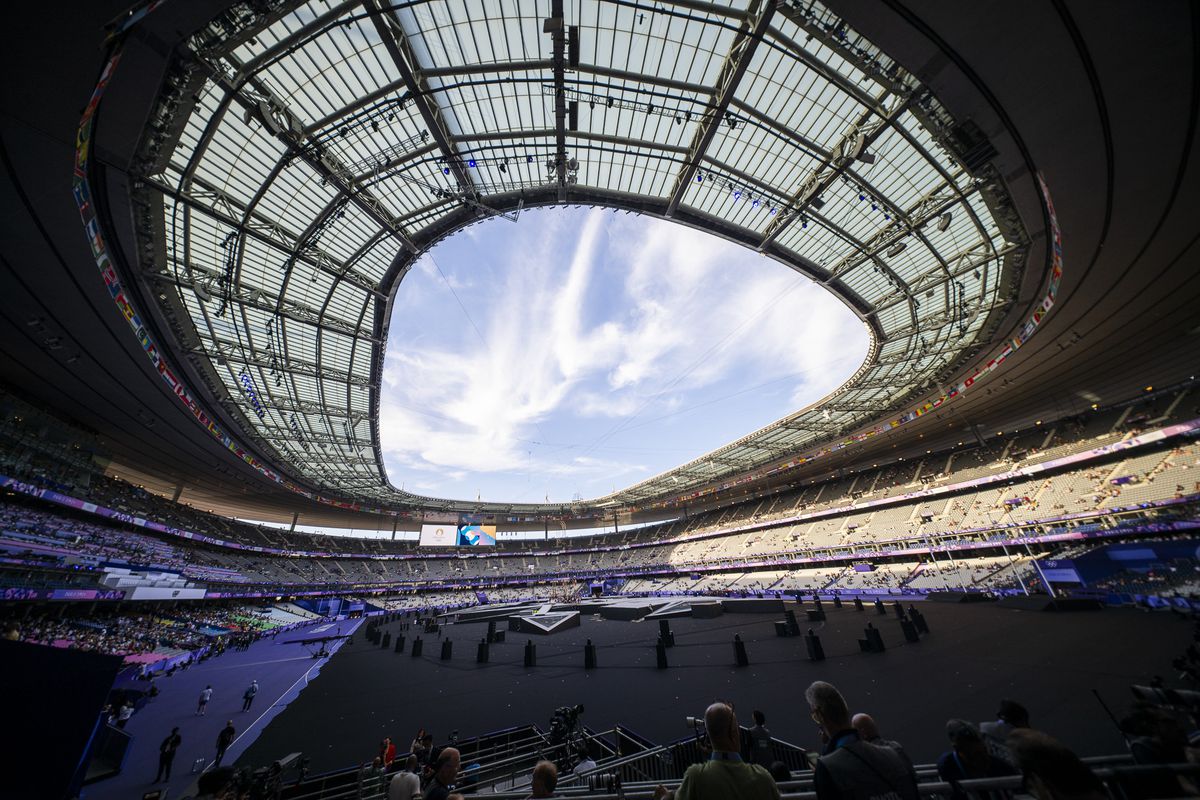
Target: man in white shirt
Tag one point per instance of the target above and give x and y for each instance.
(585, 764)
(205, 696)
(405, 784)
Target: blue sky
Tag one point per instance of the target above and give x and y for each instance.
(581, 350)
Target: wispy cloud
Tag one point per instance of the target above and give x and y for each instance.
(596, 349)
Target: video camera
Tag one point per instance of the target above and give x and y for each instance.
(699, 729)
(563, 722)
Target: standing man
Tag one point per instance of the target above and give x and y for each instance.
(850, 767)
(166, 755)
(205, 696)
(248, 695)
(224, 739)
(406, 784)
(760, 741)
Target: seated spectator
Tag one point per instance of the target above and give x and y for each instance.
(1156, 736)
(422, 748)
(543, 780)
(216, 784)
(585, 763)
(1051, 771)
(968, 757)
(405, 784)
(1012, 715)
(868, 731)
(850, 767)
(370, 779)
(724, 776)
(780, 772)
(445, 770)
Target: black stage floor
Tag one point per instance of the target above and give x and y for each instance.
(975, 654)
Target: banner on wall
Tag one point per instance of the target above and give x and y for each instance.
(476, 535)
(443, 535)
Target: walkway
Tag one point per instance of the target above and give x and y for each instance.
(282, 671)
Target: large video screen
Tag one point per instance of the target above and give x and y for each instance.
(443, 535)
(476, 535)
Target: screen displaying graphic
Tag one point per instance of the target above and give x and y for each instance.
(476, 535)
(444, 535)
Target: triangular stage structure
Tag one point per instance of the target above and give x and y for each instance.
(544, 622)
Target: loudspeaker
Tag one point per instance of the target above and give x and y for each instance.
(739, 651)
(812, 643)
(589, 655)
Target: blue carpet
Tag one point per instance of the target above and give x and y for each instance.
(282, 671)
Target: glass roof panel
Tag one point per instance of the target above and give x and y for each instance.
(338, 173)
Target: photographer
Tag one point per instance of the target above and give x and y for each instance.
(724, 776)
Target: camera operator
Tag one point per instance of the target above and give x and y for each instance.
(724, 776)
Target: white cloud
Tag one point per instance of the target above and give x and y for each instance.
(590, 324)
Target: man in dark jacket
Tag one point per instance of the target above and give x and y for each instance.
(224, 739)
(760, 741)
(851, 769)
(166, 754)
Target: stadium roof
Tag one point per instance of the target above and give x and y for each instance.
(323, 150)
(266, 177)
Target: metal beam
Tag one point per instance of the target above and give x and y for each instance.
(229, 351)
(853, 142)
(295, 38)
(556, 26)
(296, 406)
(971, 259)
(261, 300)
(229, 211)
(285, 125)
(396, 42)
(736, 63)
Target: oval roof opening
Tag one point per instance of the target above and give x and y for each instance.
(582, 350)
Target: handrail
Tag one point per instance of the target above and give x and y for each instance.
(1118, 768)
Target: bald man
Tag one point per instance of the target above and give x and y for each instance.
(868, 731)
(725, 776)
(445, 771)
